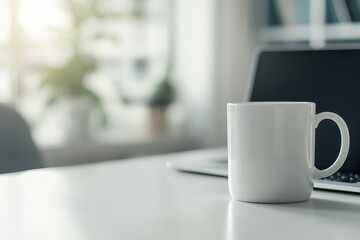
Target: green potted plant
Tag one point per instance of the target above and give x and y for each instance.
(159, 101)
(66, 83)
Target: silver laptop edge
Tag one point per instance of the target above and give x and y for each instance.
(212, 167)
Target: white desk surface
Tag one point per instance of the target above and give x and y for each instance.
(142, 199)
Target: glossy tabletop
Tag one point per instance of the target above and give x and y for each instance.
(143, 199)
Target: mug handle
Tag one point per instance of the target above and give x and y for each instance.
(345, 143)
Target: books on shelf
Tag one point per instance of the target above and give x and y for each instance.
(302, 8)
(288, 12)
(337, 11)
(354, 9)
(273, 16)
(297, 12)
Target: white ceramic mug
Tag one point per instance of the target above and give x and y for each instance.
(271, 148)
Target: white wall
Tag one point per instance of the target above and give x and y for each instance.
(237, 36)
(194, 62)
(215, 40)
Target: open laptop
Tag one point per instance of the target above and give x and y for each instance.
(329, 77)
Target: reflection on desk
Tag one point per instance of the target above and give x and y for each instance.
(143, 199)
(320, 218)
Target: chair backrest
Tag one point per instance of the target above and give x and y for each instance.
(17, 148)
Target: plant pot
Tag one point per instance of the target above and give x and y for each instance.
(77, 121)
(158, 119)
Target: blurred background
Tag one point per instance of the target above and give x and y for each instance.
(110, 79)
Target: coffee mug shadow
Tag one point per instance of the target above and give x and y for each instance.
(303, 220)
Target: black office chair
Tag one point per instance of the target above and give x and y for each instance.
(17, 149)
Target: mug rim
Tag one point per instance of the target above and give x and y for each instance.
(264, 103)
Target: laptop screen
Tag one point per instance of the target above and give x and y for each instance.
(331, 79)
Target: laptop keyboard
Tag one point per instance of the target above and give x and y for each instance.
(344, 177)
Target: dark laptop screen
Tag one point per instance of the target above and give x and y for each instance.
(331, 79)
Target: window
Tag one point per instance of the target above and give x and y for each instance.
(70, 64)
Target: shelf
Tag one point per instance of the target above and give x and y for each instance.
(291, 33)
(285, 34)
(349, 31)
